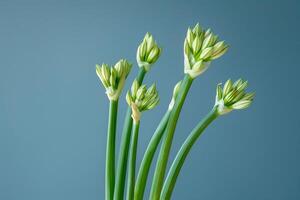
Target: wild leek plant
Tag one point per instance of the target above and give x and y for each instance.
(140, 99)
(113, 79)
(201, 47)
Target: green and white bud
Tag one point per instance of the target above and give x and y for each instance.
(148, 52)
(200, 48)
(232, 96)
(139, 98)
(113, 77)
(175, 94)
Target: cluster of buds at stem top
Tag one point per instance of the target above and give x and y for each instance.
(200, 48)
(140, 99)
(232, 96)
(175, 94)
(148, 52)
(113, 77)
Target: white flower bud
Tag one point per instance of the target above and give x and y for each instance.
(206, 53)
(153, 55)
(189, 37)
(241, 104)
(197, 29)
(134, 88)
(196, 44)
(207, 41)
(227, 87)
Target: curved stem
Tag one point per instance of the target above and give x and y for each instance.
(183, 152)
(110, 150)
(124, 147)
(148, 157)
(132, 161)
(162, 160)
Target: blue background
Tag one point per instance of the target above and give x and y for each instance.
(53, 110)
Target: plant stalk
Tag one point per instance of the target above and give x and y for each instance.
(132, 161)
(148, 157)
(167, 142)
(110, 150)
(183, 153)
(124, 147)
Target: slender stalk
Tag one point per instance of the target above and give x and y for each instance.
(148, 157)
(183, 152)
(167, 142)
(110, 151)
(132, 161)
(125, 142)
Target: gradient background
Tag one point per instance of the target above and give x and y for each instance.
(53, 110)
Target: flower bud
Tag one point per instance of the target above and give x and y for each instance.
(219, 49)
(206, 53)
(104, 74)
(113, 77)
(201, 47)
(232, 96)
(140, 99)
(148, 52)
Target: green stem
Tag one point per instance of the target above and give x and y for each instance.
(183, 152)
(132, 161)
(124, 147)
(148, 157)
(110, 151)
(167, 142)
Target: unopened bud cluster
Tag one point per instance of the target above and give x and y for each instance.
(113, 77)
(201, 47)
(148, 52)
(140, 99)
(233, 96)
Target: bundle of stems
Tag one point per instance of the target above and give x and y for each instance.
(200, 48)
